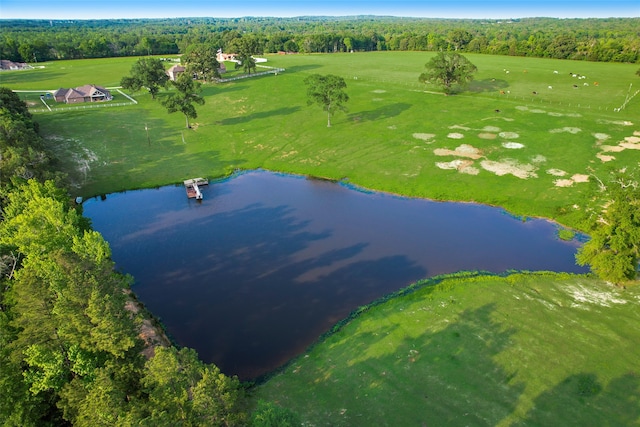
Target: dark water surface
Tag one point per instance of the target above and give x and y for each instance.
(266, 263)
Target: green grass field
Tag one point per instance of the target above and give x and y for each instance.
(525, 350)
(393, 138)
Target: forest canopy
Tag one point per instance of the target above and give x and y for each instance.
(593, 39)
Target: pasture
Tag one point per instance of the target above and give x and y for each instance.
(496, 143)
(521, 350)
(526, 349)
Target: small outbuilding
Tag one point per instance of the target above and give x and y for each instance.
(175, 71)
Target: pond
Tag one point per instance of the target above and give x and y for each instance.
(258, 270)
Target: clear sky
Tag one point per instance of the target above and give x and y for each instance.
(499, 9)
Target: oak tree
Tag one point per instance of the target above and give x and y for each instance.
(448, 69)
(327, 91)
(148, 73)
(614, 249)
(188, 93)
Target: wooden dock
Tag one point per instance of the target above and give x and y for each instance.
(193, 187)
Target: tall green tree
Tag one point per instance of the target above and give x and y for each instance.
(614, 249)
(200, 59)
(184, 391)
(148, 73)
(188, 93)
(327, 91)
(246, 47)
(448, 69)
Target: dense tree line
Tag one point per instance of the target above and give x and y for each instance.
(71, 352)
(608, 40)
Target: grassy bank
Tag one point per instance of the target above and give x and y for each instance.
(530, 157)
(527, 349)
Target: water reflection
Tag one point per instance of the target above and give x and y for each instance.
(266, 263)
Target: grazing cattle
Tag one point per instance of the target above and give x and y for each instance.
(501, 92)
(596, 83)
(555, 72)
(575, 86)
(497, 111)
(550, 87)
(585, 84)
(534, 92)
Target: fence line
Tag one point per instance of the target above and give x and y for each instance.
(245, 76)
(81, 107)
(127, 96)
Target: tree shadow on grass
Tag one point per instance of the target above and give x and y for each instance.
(29, 76)
(221, 88)
(382, 112)
(487, 85)
(582, 400)
(284, 111)
(299, 68)
(446, 378)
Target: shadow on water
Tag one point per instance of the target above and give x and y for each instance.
(266, 263)
(244, 297)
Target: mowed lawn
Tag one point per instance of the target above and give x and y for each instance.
(524, 350)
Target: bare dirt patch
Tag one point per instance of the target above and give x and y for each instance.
(632, 139)
(601, 137)
(556, 172)
(571, 130)
(491, 129)
(455, 135)
(612, 148)
(459, 127)
(152, 335)
(615, 122)
(424, 136)
(512, 145)
(379, 91)
(486, 135)
(563, 182)
(509, 135)
(583, 294)
(510, 167)
(462, 166)
(463, 150)
(604, 157)
(539, 158)
(576, 178)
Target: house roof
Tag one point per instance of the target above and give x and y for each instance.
(5, 64)
(82, 92)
